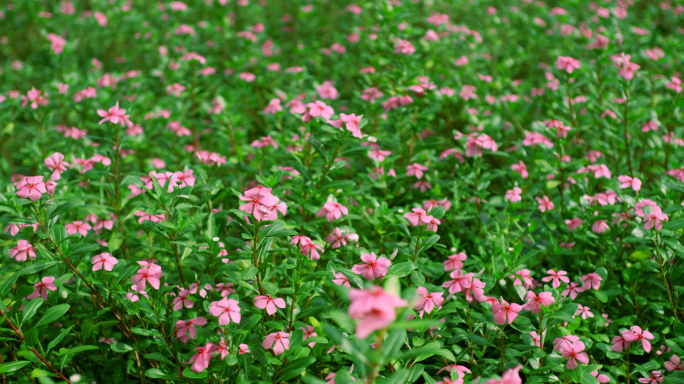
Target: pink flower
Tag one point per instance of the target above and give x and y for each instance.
(544, 204)
(77, 227)
(56, 164)
(341, 279)
(564, 342)
(521, 169)
(374, 308)
(269, 303)
(332, 211)
(573, 223)
(416, 218)
(243, 348)
(572, 290)
(310, 249)
(150, 273)
(460, 281)
(227, 310)
(675, 364)
(200, 360)
(573, 352)
(278, 341)
(415, 169)
(41, 288)
(505, 313)
(318, 108)
(584, 311)
(567, 64)
(653, 378)
(104, 260)
(183, 326)
(675, 84)
(429, 301)
(373, 268)
(309, 332)
(635, 334)
(22, 251)
(182, 300)
(337, 239)
(591, 280)
(536, 301)
(600, 377)
(454, 262)
(619, 344)
(513, 195)
(600, 226)
(114, 115)
(557, 277)
(31, 188)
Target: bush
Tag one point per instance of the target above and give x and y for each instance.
(389, 192)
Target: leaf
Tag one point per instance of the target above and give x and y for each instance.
(479, 340)
(7, 283)
(13, 366)
(192, 375)
(392, 344)
(80, 348)
(675, 377)
(53, 313)
(121, 347)
(295, 368)
(59, 338)
(154, 373)
(399, 377)
(159, 357)
(587, 378)
(401, 269)
(37, 267)
(31, 309)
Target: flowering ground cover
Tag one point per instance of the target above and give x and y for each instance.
(310, 191)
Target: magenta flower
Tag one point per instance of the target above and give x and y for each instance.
(584, 311)
(182, 300)
(429, 301)
(227, 310)
(572, 290)
(573, 352)
(182, 327)
(415, 170)
(269, 303)
(310, 249)
(536, 301)
(332, 211)
(417, 217)
(591, 280)
(636, 334)
(31, 188)
(373, 268)
(600, 226)
(56, 164)
(654, 378)
(505, 313)
(200, 360)
(460, 281)
(278, 341)
(675, 364)
(513, 195)
(150, 273)
(454, 262)
(557, 277)
(567, 64)
(22, 251)
(41, 288)
(341, 279)
(544, 203)
(77, 227)
(114, 115)
(374, 308)
(627, 182)
(104, 260)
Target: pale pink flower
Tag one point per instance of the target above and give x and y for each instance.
(227, 310)
(150, 273)
(567, 64)
(374, 308)
(557, 277)
(104, 260)
(41, 288)
(573, 352)
(269, 303)
(277, 341)
(429, 301)
(536, 301)
(200, 360)
(505, 313)
(454, 262)
(77, 227)
(600, 226)
(373, 268)
(459, 282)
(636, 334)
(182, 300)
(332, 211)
(513, 195)
(521, 169)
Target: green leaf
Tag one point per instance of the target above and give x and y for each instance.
(74, 350)
(121, 347)
(12, 366)
(37, 267)
(52, 314)
(159, 357)
(7, 283)
(675, 377)
(192, 375)
(399, 377)
(31, 309)
(154, 373)
(59, 338)
(587, 378)
(393, 343)
(401, 269)
(479, 340)
(295, 368)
